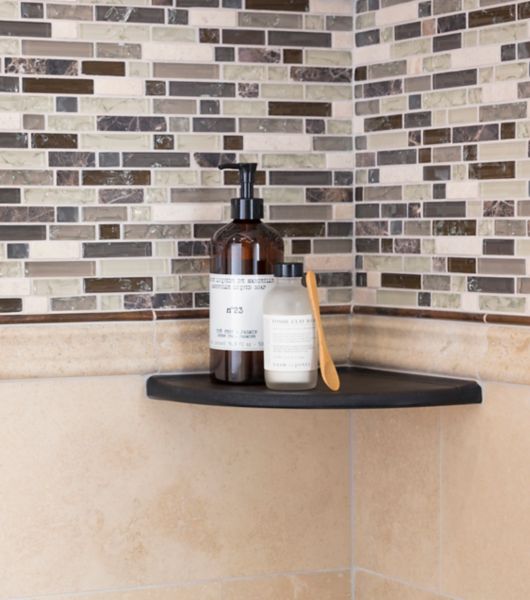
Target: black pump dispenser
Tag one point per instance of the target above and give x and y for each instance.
(246, 207)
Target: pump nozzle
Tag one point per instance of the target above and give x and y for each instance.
(247, 174)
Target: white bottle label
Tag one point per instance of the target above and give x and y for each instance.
(236, 311)
(289, 342)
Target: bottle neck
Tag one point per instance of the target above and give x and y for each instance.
(288, 281)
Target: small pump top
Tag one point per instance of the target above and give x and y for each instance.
(246, 207)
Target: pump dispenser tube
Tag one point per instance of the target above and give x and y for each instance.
(243, 253)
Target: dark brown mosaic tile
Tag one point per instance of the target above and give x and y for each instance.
(244, 36)
(299, 38)
(437, 173)
(278, 5)
(383, 88)
(451, 23)
(444, 43)
(103, 67)
(102, 177)
(455, 227)
(9, 84)
(9, 305)
(72, 159)
(444, 209)
(54, 140)
(209, 36)
(334, 194)
(118, 284)
(300, 109)
(498, 246)
(291, 56)
(213, 159)
(491, 285)
(407, 31)
(13, 140)
(367, 38)
(130, 123)
(454, 79)
(41, 66)
(475, 133)
(499, 208)
(22, 232)
(221, 124)
(437, 136)
(26, 214)
(383, 123)
(401, 280)
(396, 157)
(109, 232)
(57, 86)
(158, 301)
(492, 170)
(25, 28)
(10, 196)
(311, 178)
(461, 265)
(492, 16)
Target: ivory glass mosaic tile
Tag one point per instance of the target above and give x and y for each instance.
(442, 145)
(113, 118)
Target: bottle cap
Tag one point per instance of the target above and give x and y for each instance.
(288, 269)
(246, 207)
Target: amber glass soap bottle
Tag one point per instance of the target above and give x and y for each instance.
(241, 272)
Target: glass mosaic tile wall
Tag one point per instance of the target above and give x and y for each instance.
(113, 118)
(442, 137)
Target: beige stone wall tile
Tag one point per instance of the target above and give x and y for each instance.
(115, 141)
(112, 32)
(184, 52)
(114, 106)
(117, 86)
(73, 123)
(307, 586)
(485, 501)
(396, 455)
(10, 121)
(370, 586)
(328, 58)
(128, 493)
(68, 350)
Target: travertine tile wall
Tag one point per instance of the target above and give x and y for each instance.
(113, 117)
(442, 131)
(441, 501)
(107, 495)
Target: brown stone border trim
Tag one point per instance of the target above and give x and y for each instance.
(442, 314)
(138, 315)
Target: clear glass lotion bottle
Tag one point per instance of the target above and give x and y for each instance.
(289, 332)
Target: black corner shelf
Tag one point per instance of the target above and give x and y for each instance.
(360, 388)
